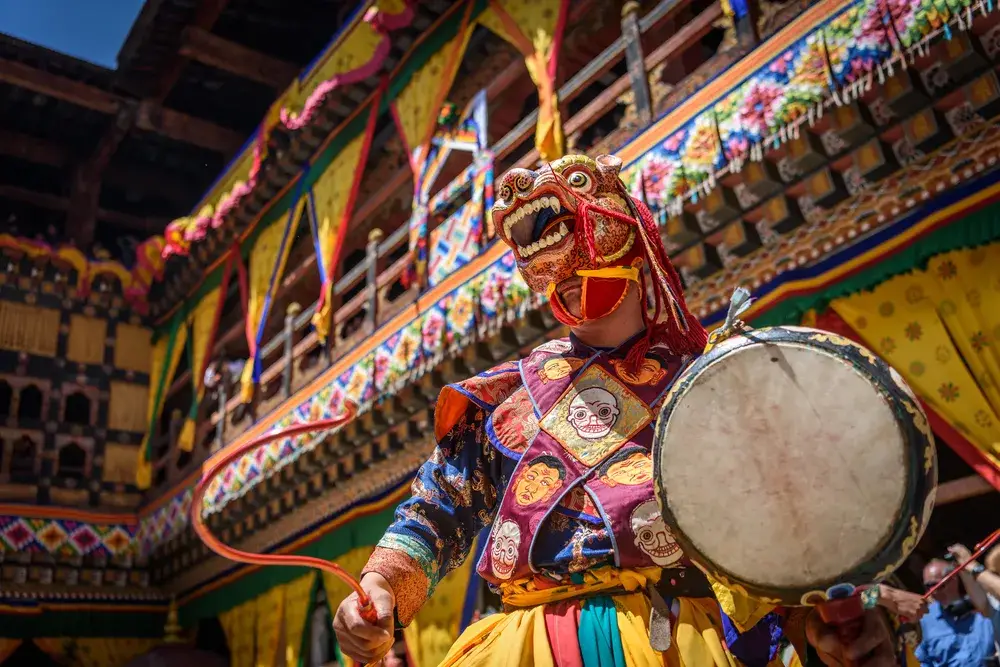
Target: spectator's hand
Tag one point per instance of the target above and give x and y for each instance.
(960, 552)
(359, 639)
(911, 606)
(874, 646)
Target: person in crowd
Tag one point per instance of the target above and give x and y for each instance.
(957, 630)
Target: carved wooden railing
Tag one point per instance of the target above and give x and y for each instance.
(295, 356)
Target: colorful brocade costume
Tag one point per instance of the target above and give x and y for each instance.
(553, 452)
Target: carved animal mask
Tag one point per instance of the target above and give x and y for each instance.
(536, 214)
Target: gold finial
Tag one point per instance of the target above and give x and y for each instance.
(172, 630)
(375, 236)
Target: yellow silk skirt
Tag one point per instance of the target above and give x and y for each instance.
(524, 634)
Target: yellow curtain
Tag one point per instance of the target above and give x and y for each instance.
(939, 328)
(330, 193)
(95, 651)
(127, 407)
(267, 266)
(435, 627)
(7, 648)
(239, 624)
(270, 625)
(532, 26)
(29, 329)
(417, 106)
(133, 347)
(119, 463)
(353, 561)
(202, 324)
(86, 339)
(161, 371)
(298, 604)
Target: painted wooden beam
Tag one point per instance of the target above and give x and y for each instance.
(188, 129)
(60, 203)
(59, 87)
(202, 46)
(149, 116)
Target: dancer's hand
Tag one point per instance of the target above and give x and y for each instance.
(359, 639)
(874, 647)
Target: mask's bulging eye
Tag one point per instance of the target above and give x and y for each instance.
(579, 180)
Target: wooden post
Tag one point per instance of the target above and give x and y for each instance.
(220, 427)
(745, 13)
(375, 237)
(176, 421)
(635, 60)
(286, 376)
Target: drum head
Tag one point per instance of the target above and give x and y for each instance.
(784, 466)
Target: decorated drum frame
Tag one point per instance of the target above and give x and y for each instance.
(921, 463)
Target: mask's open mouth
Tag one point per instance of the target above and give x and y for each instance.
(538, 225)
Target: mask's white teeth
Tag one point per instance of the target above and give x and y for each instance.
(562, 229)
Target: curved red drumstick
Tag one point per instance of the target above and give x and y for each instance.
(367, 609)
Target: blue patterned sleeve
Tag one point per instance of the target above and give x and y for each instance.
(454, 496)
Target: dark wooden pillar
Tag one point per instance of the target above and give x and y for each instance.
(745, 15)
(635, 60)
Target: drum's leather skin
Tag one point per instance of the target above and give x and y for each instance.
(916, 455)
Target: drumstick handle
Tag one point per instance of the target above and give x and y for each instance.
(846, 615)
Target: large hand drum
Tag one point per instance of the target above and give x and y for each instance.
(794, 463)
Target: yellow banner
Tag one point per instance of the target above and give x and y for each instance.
(270, 619)
(330, 195)
(533, 27)
(267, 267)
(161, 372)
(95, 651)
(435, 627)
(298, 604)
(202, 325)
(417, 106)
(939, 328)
(239, 624)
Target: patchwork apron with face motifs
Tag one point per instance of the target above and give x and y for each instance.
(588, 410)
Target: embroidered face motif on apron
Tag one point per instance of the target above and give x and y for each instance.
(591, 454)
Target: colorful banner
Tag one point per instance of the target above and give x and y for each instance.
(267, 267)
(240, 626)
(166, 356)
(299, 596)
(436, 626)
(416, 107)
(535, 28)
(95, 651)
(938, 328)
(201, 325)
(331, 205)
(356, 53)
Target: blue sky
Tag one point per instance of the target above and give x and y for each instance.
(91, 30)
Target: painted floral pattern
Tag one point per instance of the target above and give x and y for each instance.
(850, 45)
